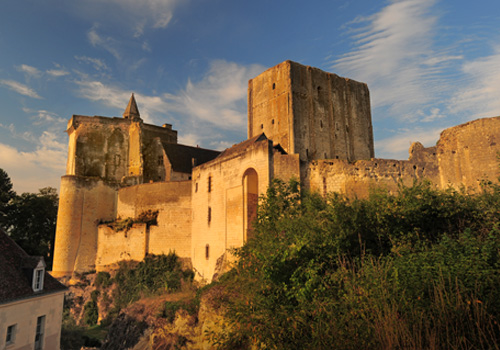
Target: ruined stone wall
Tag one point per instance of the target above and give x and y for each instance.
(83, 203)
(315, 114)
(218, 203)
(468, 153)
(464, 156)
(355, 179)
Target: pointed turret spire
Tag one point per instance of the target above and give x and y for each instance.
(132, 112)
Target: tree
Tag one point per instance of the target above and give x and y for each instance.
(6, 195)
(32, 222)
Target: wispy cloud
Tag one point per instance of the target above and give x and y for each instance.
(20, 88)
(478, 96)
(397, 146)
(104, 42)
(29, 70)
(97, 63)
(33, 170)
(43, 116)
(57, 72)
(220, 97)
(137, 15)
(393, 52)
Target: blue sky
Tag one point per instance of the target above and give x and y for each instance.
(429, 64)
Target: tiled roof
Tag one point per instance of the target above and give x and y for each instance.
(181, 156)
(240, 147)
(16, 272)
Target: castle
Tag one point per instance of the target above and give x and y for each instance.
(302, 122)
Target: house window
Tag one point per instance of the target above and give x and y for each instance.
(209, 214)
(207, 251)
(38, 274)
(40, 328)
(11, 335)
(209, 184)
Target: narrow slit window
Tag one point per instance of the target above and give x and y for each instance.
(209, 214)
(207, 251)
(209, 184)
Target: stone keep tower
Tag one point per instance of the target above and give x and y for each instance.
(104, 154)
(309, 112)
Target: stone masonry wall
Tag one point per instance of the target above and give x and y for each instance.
(315, 114)
(83, 203)
(468, 153)
(171, 234)
(218, 203)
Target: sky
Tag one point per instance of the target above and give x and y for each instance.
(429, 65)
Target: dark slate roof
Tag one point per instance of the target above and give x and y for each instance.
(181, 156)
(16, 273)
(242, 146)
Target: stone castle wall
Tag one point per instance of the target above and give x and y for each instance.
(219, 218)
(464, 156)
(468, 153)
(83, 203)
(172, 233)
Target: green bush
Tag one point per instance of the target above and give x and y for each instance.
(418, 269)
(103, 280)
(90, 313)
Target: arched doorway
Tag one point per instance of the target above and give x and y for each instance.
(250, 200)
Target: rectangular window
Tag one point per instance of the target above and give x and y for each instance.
(11, 335)
(40, 328)
(209, 214)
(38, 279)
(209, 184)
(207, 251)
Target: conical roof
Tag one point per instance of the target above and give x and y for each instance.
(132, 112)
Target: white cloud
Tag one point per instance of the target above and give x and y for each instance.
(220, 97)
(29, 70)
(57, 72)
(97, 63)
(394, 54)
(20, 88)
(40, 168)
(397, 146)
(138, 16)
(107, 43)
(478, 95)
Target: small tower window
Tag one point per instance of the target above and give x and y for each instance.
(196, 187)
(209, 214)
(207, 251)
(274, 86)
(11, 335)
(262, 126)
(209, 184)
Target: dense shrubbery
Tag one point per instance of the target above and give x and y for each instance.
(419, 269)
(156, 273)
